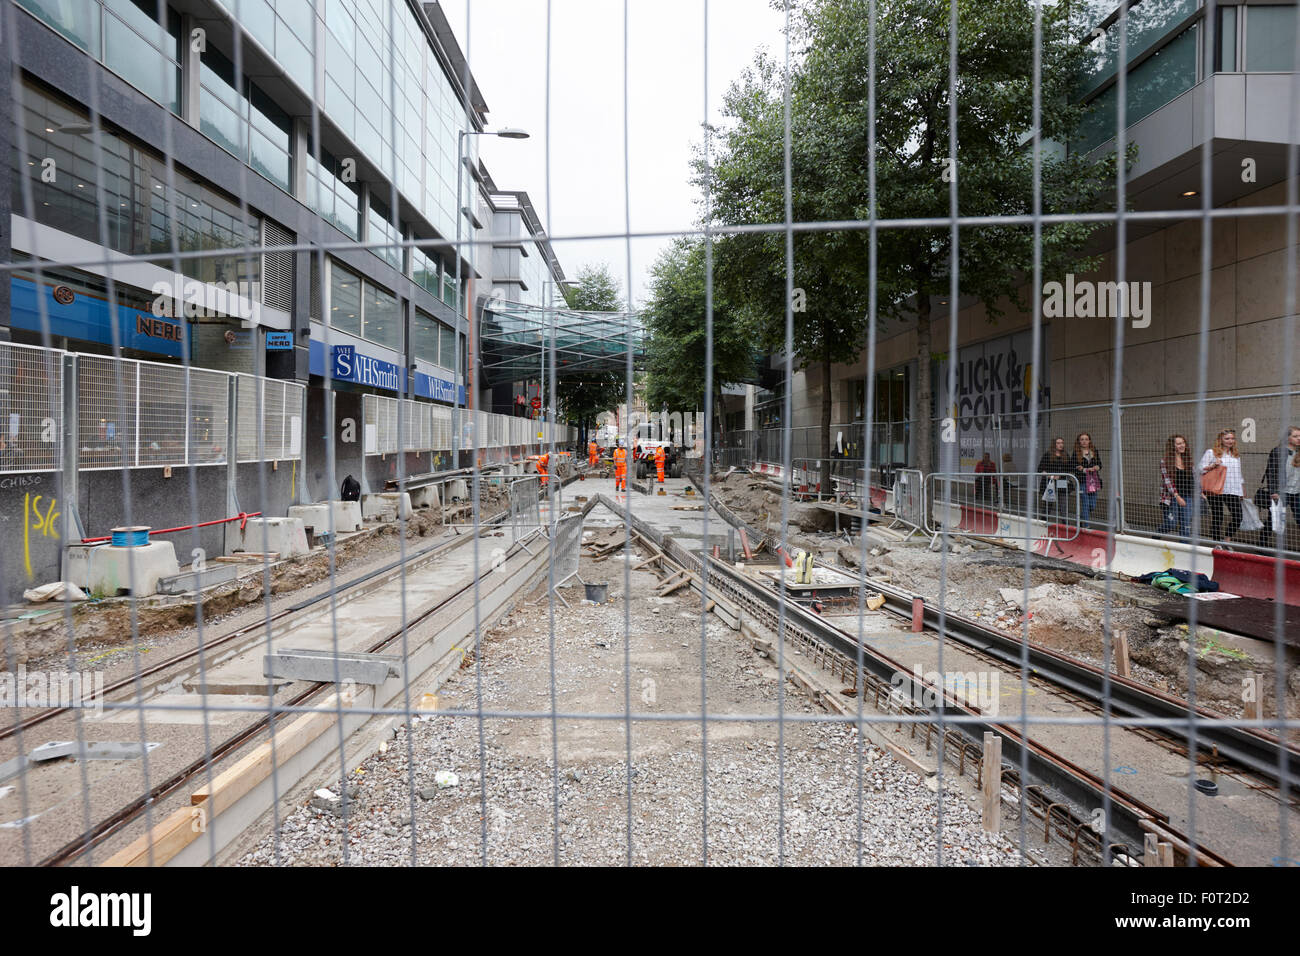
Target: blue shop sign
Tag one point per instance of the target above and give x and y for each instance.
(279, 341)
(438, 389)
(81, 315)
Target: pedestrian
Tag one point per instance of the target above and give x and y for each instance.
(1222, 485)
(1177, 485)
(984, 487)
(1086, 461)
(1281, 480)
(591, 453)
(350, 490)
(659, 464)
(1054, 467)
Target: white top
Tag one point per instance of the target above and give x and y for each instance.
(1291, 466)
(1232, 484)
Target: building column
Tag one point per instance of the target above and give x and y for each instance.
(6, 172)
(192, 45)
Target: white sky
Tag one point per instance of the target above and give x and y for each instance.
(507, 55)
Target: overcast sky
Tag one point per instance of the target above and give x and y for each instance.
(507, 54)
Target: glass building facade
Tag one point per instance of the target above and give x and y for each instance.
(1164, 50)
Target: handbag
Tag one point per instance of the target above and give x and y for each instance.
(1092, 484)
(1212, 480)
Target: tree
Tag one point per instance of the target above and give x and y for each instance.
(584, 394)
(829, 169)
(677, 334)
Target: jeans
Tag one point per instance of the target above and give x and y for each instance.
(1177, 518)
(1088, 501)
(1217, 505)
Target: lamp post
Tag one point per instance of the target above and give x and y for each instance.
(462, 366)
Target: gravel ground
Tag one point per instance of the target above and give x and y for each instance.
(899, 819)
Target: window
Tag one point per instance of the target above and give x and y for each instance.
(345, 300)
(1270, 39)
(447, 348)
(381, 229)
(142, 53)
(78, 20)
(383, 318)
(425, 272)
(141, 195)
(425, 332)
(332, 197)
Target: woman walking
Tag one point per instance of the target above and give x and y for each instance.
(1222, 485)
(1086, 462)
(1053, 467)
(1177, 485)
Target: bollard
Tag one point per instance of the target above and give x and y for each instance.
(918, 615)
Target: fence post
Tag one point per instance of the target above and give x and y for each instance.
(992, 783)
(70, 447)
(232, 445)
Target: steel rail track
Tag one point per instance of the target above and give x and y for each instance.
(347, 588)
(1254, 750)
(128, 813)
(1074, 784)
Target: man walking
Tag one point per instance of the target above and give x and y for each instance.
(659, 464)
(620, 468)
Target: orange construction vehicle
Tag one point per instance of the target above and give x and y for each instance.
(659, 463)
(620, 469)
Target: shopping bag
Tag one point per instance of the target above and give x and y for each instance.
(1050, 494)
(1250, 516)
(1277, 512)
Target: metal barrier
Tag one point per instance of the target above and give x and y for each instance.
(525, 506)
(31, 408)
(909, 497)
(997, 505)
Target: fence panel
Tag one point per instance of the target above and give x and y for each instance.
(106, 412)
(31, 408)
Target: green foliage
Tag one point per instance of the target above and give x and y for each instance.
(595, 290)
(676, 327)
(829, 168)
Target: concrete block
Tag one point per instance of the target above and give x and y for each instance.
(457, 489)
(347, 516)
(384, 505)
(316, 665)
(283, 536)
(107, 571)
(426, 497)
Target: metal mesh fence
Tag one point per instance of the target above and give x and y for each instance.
(31, 409)
(845, 696)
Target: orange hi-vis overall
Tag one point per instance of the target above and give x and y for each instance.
(543, 463)
(620, 469)
(659, 463)
(591, 454)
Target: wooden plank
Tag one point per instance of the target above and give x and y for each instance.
(992, 778)
(1122, 667)
(168, 837)
(664, 592)
(1253, 700)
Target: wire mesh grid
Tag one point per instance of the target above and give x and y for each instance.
(32, 424)
(133, 414)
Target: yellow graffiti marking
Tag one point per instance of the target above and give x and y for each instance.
(43, 524)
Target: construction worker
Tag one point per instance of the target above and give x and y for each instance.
(591, 454)
(659, 464)
(620, 468)
(543, 463)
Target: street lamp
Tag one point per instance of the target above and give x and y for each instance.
(506, 132)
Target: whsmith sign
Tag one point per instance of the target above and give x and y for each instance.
(349, 366)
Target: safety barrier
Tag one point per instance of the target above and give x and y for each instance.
(1252, 575)
(979, 505)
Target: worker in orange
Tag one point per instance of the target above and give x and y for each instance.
(659, 463)
(543, 463)
(620, 468)
(591, 454)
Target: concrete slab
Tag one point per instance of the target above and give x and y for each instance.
(384, 506)
(282, 536)
(108, 571)
(326, 667)
(456, 490)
